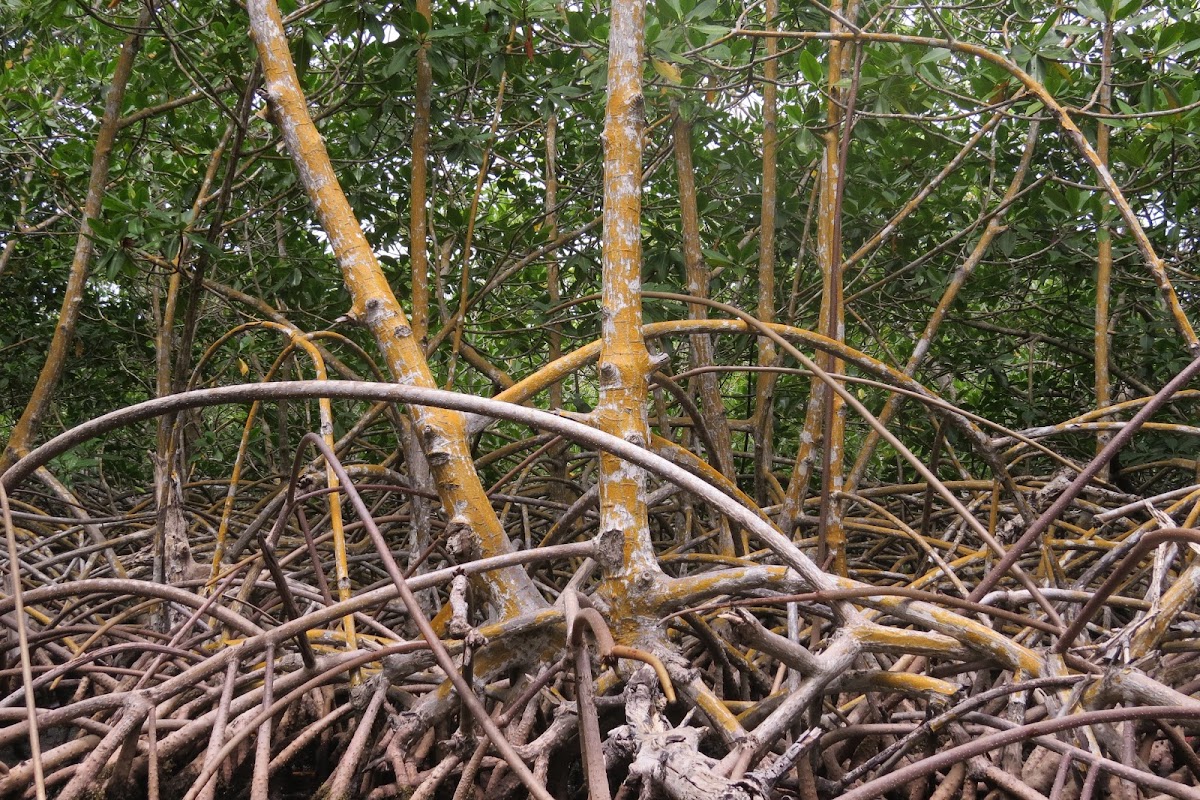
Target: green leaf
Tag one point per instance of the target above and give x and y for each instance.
(934, 54)
(577, 26)
(1128, 9)
(448, 32)
(397, 63)
(811, 68)
(1091, 9)
(702, 11)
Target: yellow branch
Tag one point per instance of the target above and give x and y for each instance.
(443, 433)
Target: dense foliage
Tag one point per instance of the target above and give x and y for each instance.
(915, 107)
(944, 162)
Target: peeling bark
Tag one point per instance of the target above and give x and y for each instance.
(624, 365)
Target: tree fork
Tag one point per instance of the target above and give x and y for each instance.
(443, 433)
